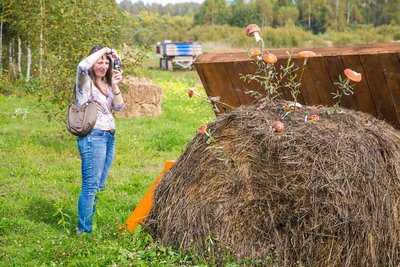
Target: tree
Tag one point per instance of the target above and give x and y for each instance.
(1, 40)
(353, 14)
(322, 17)
(306, 9)
(265, 11)
(243, 14)
(212, 12)
(339, 8)
(286, 14)
(21, 18)
(55, 35)
(181, 9)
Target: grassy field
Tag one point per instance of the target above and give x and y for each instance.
(40, 182)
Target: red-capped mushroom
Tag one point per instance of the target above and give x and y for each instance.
(352, 75)
(270, 58)
(256, 54)
(306, 54)
(291, 105)
(314, 117)
(190, 92)
(278, 126)
(202, 129)
(253, 30)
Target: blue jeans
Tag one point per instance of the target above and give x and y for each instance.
(97, 154)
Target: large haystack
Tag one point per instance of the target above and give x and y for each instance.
(320, 193)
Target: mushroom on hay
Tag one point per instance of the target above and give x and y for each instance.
(317, 194)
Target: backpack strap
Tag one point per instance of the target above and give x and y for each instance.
(74, 93)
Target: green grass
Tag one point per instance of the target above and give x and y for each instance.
(40, 182)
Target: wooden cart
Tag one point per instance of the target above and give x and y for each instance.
(378, 93)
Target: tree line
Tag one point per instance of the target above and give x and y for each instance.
(314, 15)
(180, 9)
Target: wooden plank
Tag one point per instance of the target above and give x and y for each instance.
(249, 67)
(379, 90)
(224, 86)
(335, 68)
(320, 76)
(283, 94)
(210, 84)
(307, 87)
(234, 71)
(303, 96)
(283, 63)
(241, 55)
(310, 85)
(362, 91)
(203, 78)
(391, 70)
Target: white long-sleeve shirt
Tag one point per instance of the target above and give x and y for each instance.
(105, 119)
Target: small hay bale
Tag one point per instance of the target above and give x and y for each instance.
(142, 99)
(320, 193)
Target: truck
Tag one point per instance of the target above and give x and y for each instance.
(178, 54)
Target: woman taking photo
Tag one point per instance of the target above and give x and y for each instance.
(97, 80)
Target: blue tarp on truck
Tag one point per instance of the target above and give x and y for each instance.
(178, 54)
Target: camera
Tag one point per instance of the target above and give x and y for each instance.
(117, 64)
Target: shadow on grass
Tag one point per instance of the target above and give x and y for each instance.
(41, 210)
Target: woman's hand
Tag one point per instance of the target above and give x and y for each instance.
(113, 54)
(117, 76)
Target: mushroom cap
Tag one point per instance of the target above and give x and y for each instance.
(202, 129)
(270, 58)
(352, 75)
(251, 28)
(306, 54)
(190, 92)
(278, 126)
(255, 53)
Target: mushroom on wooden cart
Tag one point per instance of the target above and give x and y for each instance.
(253, 30)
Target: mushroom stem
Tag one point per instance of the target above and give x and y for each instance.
(257, 37)
(259, 40)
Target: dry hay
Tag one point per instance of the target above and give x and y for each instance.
(142, 98)
(318, 194)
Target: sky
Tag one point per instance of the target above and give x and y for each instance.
(164, 2)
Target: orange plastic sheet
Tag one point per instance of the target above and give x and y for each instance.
(142, 210)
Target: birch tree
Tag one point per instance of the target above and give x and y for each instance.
(1, 43)
(19, 55)
(41, 40)
(265, 9)
(29, 58)
(11, 65)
